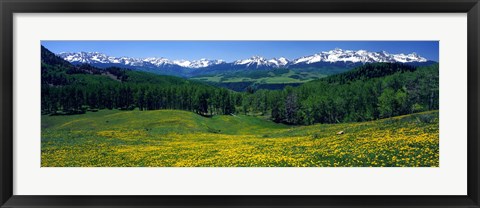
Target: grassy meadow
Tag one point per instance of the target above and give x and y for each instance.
(175, 138)
(264, 77)
(278, 76)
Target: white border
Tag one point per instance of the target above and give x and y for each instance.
(448, 179)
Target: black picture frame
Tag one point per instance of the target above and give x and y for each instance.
(9, 7)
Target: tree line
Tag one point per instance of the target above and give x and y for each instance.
(333, 100)
(369, 92)
(74, 99)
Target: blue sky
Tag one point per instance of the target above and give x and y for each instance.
(234, 50)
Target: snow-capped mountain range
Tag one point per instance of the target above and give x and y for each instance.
(100, 58)
(332, 56)
(363, 56)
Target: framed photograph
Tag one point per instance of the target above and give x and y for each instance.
(213, 103)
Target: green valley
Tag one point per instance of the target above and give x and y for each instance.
(324, 114)
(172, 138)
(267, 79)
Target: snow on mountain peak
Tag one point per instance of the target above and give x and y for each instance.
(183, 63)
(96, 58)
(204, 63)
(157, 61)
(261, 62)
(406, 58)
(363, 56)
(337, 50)
(332, 56)
(253, 60)
(282, 61)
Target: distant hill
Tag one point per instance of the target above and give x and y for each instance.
(338, 59)
(55, 68)
(290, 96)
(74, 89)
(369, 71)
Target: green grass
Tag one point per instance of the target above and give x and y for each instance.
(215, 78)
(171, 138)
(263, 77)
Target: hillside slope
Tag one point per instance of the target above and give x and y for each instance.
(73, 89)
(170, 138)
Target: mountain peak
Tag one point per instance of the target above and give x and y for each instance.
(255, 62)
(256, 57)
(362, 56)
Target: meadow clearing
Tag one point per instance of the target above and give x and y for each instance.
(174, 138)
